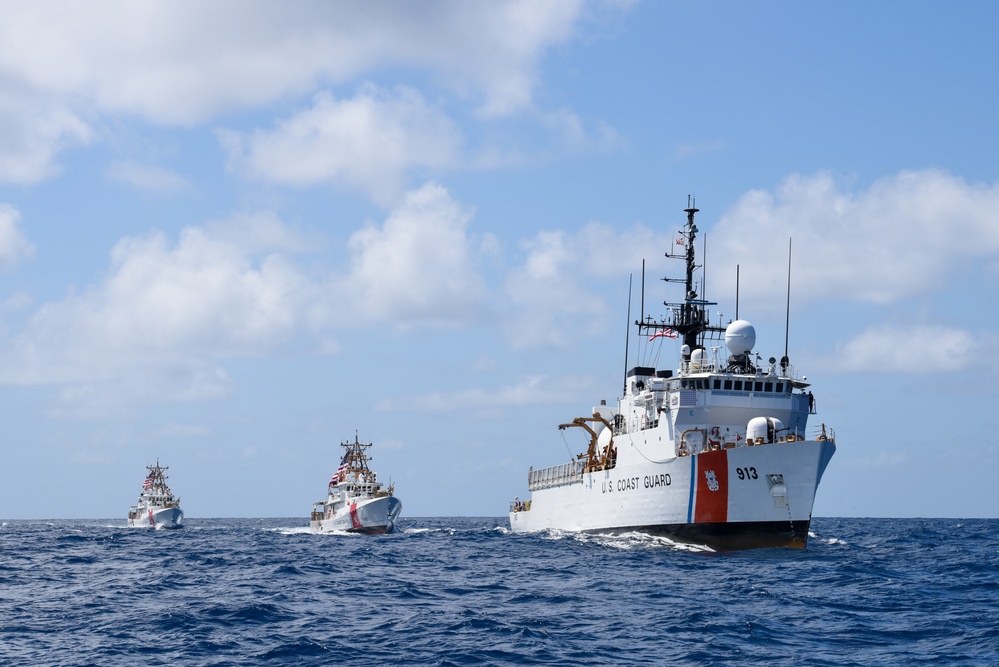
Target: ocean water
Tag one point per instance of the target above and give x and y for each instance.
(466, 591)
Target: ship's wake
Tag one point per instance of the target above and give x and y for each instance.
(627, 541)
(294, 530)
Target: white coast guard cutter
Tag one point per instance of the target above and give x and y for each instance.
(156, 507)
(718, 453)
(356, 501)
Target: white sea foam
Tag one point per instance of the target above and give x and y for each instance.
(638, 540)
(295, 530)
(627, 541)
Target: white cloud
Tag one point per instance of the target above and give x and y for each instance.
(548, 302)
(418, 267)
(148, 178)
(183, 62)
(902, 236)
(67, 68)
(371, 141)
(13, 246)
(210, 291)
(92, 391)
(917, 349)
(533, 390)
(157, 325)
(555, 293)
(17, 300)
(164, 312)
(367, 142)
(573, 134)
(495, 47)
(32, 132)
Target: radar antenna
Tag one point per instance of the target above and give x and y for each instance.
(690, 318)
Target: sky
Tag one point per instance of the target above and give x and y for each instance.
(236, 234)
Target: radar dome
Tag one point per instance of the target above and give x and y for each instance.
(740, 337)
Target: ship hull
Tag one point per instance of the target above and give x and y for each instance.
(740, 498)
(728, 536)
(374, 516)
(162, 518)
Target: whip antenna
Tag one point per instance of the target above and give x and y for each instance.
(626, 330)
(643, 293)
(787, 321)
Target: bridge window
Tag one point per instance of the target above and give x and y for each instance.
(780, 387)
(759, 386)
(728, 384)
(738, 385)
(717, 384)
(768, 387)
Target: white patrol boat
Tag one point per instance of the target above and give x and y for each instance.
(157, 507)
(356, 501)
(718, 454)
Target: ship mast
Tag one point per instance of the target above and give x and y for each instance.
(357, 460)
(689, 319)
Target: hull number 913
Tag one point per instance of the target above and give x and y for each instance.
(747, 473)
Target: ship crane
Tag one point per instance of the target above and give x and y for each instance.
(608, 457)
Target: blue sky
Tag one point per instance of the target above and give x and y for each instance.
(233, 235)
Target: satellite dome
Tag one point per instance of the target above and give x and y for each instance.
(740, 337)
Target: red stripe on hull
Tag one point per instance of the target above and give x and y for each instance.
(712, 488)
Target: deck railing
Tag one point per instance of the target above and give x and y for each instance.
(545, 478)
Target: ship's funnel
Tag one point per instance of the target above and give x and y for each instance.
(740, 337)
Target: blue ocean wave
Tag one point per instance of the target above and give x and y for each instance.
(467, 591)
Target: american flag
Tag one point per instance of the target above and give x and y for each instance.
(668, 333)
(341, 472)
(148, 483)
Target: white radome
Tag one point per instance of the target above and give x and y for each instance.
(740, 337)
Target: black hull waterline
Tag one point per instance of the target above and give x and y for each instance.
(731, 536)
